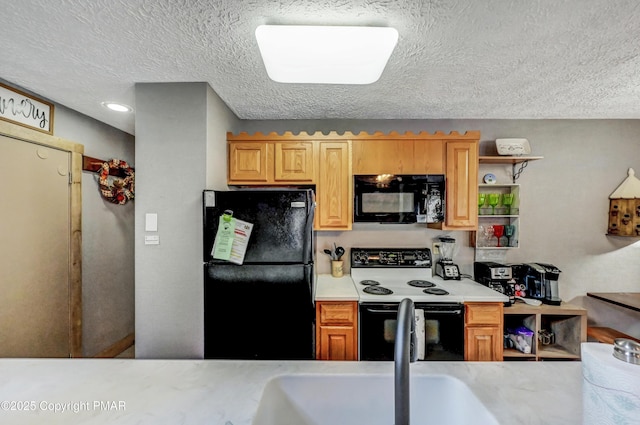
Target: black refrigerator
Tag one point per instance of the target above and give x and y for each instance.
(263, 308)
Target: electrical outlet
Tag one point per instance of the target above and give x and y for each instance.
(435, 249)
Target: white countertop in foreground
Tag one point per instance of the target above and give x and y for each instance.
(197, 392)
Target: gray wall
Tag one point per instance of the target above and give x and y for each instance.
(107, 236)
(179, 127)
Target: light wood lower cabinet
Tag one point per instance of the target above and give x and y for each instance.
(336, 330)
(483, 340)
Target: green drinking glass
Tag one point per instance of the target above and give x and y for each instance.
(482, 200)
(493, 200)
(507, 201)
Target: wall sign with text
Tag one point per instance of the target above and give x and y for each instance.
(21, 108)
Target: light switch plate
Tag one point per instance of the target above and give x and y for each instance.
(151, 240)
(151, 222)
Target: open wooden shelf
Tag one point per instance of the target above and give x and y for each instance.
(556, 352)
(507, 159)
(567, 322)
(512, 353)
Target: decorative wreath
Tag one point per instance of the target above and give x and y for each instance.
(118, 191)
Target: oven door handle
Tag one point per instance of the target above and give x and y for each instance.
(375, 310)
(426, 312)
(452, 312)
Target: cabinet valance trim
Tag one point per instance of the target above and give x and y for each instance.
(347, 135)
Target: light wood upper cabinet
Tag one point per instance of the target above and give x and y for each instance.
(329, 162)
(398, 156)
(334, 189)
(382, 156)
(294, 161)
(268, 162)
(462, 190)
(428, 157)
(248, 161)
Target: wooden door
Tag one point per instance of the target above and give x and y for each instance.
(35, 250)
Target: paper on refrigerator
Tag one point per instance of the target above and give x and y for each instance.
(231, 240)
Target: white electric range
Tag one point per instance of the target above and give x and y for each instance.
(384, 277)
(389, 275)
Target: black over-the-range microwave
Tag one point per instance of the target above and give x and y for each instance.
(399, 198)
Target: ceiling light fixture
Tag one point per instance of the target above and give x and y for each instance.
(118, 107)
(325, 54)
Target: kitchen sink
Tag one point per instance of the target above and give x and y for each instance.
(367, 399)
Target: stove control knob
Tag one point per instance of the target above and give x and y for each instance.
(361, 257)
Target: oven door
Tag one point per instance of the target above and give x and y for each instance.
(440, 328)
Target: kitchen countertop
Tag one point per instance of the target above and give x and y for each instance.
(469, 290)
(191, 392)
(329, 288)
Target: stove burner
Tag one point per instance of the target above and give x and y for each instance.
(421, 283)
(377, 290)
(435, 291)
(369, 282)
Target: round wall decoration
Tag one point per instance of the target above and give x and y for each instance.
(489, 178)
(117, 191)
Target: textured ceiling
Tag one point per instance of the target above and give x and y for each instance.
(454, 59)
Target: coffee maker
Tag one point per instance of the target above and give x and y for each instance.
(496, 276)
(541, 281)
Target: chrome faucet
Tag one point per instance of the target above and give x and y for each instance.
(405, 353)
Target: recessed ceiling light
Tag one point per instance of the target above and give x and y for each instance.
(325, 54)
(118, 107)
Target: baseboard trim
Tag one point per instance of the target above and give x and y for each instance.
(117, 348)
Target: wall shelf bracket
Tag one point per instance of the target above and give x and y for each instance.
(522, 166)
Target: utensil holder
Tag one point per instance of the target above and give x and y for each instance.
(336, 268)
